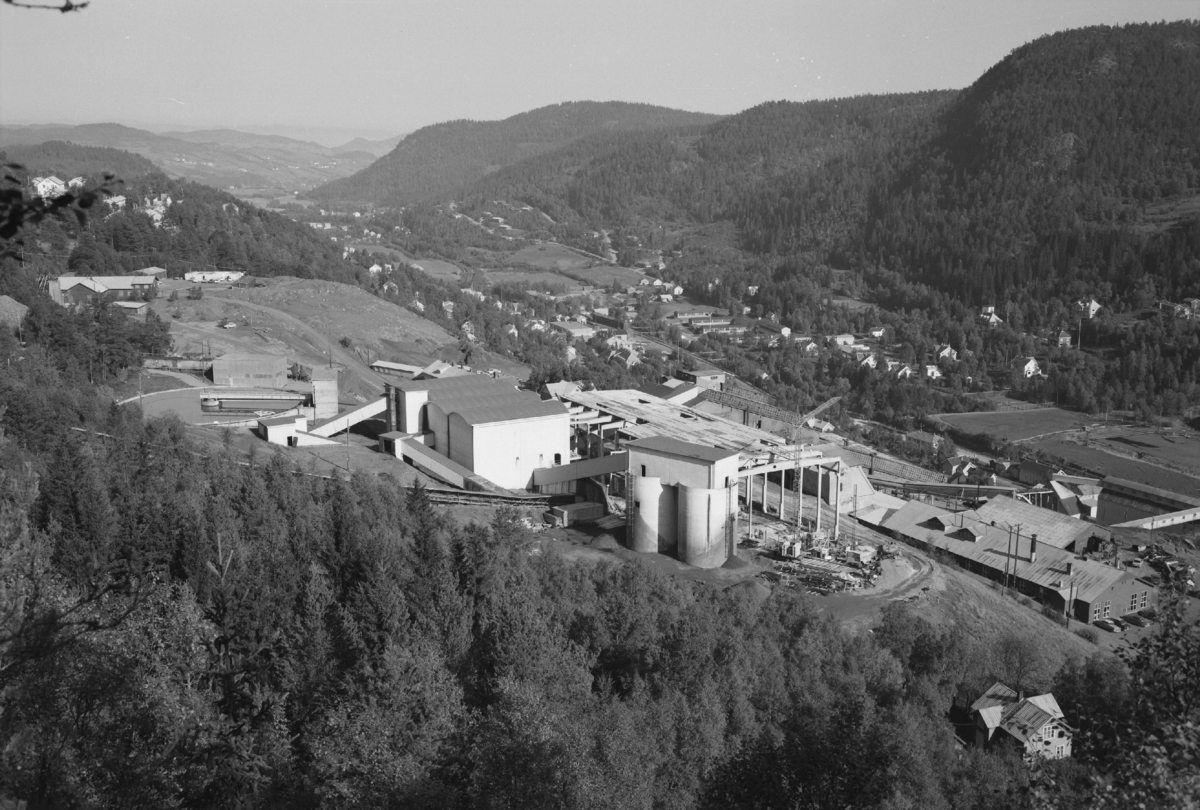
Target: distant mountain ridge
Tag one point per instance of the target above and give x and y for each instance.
(441, 159)
(225, 159)
(1072, 166)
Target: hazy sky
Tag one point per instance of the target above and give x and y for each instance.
(382, 67)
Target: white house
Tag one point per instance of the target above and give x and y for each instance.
(1087, 307)
(1035, 724)
(944, 352)
(989, 317)
(932, 372)
(1028, 366)
(49, 187)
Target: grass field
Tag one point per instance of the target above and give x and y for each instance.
(1018, 426)
(1100, 462)
(434, 268)
(603, 275)
(552, 256)
(1183, 450)
(533, 276)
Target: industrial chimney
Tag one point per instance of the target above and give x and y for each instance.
(1069, 567)
(1033, 548)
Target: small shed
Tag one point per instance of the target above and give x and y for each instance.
(282, 429)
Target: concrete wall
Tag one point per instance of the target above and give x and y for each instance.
(643, 531)
(507, 453)
(703, 526)
(676, 470)
(325, 392)
(410, 405)
(260, 371)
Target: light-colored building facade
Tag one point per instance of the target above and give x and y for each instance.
(684, 500)
(486, 425)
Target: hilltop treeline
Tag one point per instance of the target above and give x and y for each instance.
(72, 160)
(439, 160)
(202, 229)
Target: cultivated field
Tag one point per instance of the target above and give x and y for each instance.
(552, 256)
(556, 280)
(1179, 450)
(434, 268)
(603, 275)
(305, 321)
(1099, 462)
(592, 272)
(1016, 426)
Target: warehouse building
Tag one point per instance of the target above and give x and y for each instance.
(483, 425)
(243, 369)
(1087, 589)
(69, 291)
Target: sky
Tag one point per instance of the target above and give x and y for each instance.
(329, 70)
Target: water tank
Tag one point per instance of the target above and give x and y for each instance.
(703, 525)
(643, 529)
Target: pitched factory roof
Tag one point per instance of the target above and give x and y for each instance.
(105, 283)
(482, 400)
(1153, 492)
(1052, 528)
(646, 416)
(991, 546)
(675, 447)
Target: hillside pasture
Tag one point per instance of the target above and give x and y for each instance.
(552, 256)
(1101, 463)
(528, 277)
(1018, 426)
(603, 275)
(1178, 449)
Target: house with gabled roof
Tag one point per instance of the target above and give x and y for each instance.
(1035, 724)
(1028, 367)
(1087, 307)
(989, 318)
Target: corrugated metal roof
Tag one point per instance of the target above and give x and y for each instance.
(675, 447)
(931, 525)
(997, 695)
(1052, 528)
(646, 416)
(1024, 720)
(481, 400)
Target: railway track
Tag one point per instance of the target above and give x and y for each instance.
(458, 497)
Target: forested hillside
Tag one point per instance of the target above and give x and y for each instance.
(179, 628)
(202, 228)
(220, 158)
(441, 159)
(71, 160)
(1072, 166)
(701, 173)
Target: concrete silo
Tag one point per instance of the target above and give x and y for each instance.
(704, 526)
(683, 500)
